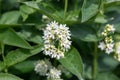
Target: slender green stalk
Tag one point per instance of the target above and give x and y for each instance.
(3, 56)
(2, 51)
(95, 61)
(76, 4)
(0, 7)
(65, 8)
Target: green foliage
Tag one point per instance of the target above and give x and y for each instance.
(9, 37)
(6, 76)
(73, 62)
(21, 44)
(20, 55)
(10, 17)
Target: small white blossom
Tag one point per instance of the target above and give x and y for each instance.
(41, 67)
(110, 28)
(54, 74)
(102, 45)
(108, 51)
(109, 48)
(56, 40)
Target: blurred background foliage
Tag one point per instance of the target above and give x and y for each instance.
(21, 25)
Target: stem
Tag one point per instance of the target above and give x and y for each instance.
(2, 51)
(95, 61)
(3, 56)
(0, 7)
(65, 8)
(76, 5)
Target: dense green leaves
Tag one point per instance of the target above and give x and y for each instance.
(20, 55)
(73, 62)
(6, 76)
(9, 37)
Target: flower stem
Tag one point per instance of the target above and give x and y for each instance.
(2, 45)
(0, 7)
(65, 8)
(2, 51)
(95, 62)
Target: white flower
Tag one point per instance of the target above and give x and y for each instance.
(108, 51)
(102, 45)
(56, 40)
(110, 28)
(109, 48)
(54, 74)
(41, 67)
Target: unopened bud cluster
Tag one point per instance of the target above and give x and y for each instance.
(56, 40)
(44, 68)
(108, 43)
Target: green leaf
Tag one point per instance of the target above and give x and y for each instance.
(23, 67)
(100, 19)
(6, 76)
(45, 9)
(10, 17)
(111, 1)
(9, 37)
(117, 27)
(72, 17)
(73, 62)
(26, 11)
(20, 55)
(89, 12)
(106, 76)
(31, 34)
(84, 32)
(107, 62)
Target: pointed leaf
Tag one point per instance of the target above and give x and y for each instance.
(89, 12)
(10, 17)
(89, 9)
(45, 9)
(73, 62)
(26, 11)
(6, 76)
(9, 37)
(20, 55)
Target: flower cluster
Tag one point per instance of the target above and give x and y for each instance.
(54, 74)
(107, 44)
(56, 40)
(44, 68)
